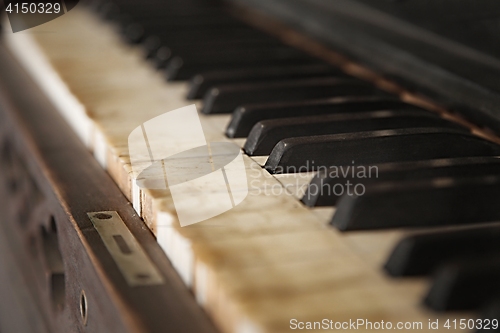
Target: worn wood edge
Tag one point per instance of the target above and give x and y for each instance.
(100, 271)
(131, 316)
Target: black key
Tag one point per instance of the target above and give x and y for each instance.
(151, 45)
(180, 68)
(421, 254)
(225, 53)
(225, 99)
(161, 17)
(158, 50)
(171, 43)
(465, 285)
(109, 11)
(245, 117)
(194, 34)
(205, 36)
(319, 194)
(161, 55)
(173, 38)
(421, 203)
(181, 25)
(373, 148)
(266, 134)
(188, 10)
(163, 22)
(201, 83)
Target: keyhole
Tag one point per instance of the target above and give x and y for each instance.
(83, 307)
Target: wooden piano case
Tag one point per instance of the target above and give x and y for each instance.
(56, 273)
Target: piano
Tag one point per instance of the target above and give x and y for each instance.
(362, 193)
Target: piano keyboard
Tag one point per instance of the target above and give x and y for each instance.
(281, 256)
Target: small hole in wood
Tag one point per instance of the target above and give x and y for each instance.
(83, 307)
(142, 276)
(102, 216)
